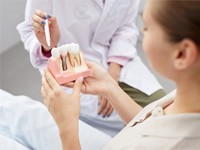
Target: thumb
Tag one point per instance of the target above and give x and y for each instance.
(77, 86)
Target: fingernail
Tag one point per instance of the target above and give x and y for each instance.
(45, 17)
(43, 22)
(49, 16)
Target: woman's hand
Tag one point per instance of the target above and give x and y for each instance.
(64, 108)
(38, 24)
(97, 84)
(105, 108)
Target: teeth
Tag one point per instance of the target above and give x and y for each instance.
(74, 55)
(63, 52)
(55, 52)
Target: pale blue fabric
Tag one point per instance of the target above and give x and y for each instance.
(28, 122)
(7, 143)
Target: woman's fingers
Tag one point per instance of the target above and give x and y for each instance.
(43, 92)
(51, 81)
(45, 86)
(77, 86)
(69, 84)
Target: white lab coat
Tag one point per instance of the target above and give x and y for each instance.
(103, 32)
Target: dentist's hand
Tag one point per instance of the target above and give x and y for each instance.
(38, 24)
(64, 108)
(105, 108)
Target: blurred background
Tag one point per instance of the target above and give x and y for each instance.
(17, 75)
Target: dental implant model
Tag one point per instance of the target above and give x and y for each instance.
(63, 52)
(56, 54)
(74, 56)
(67, 63)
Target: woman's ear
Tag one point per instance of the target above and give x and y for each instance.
(185, 54)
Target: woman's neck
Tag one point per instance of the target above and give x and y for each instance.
(187, 99)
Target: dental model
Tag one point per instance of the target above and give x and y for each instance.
(67, 63)
(73, 54)
(63, 51)
(56, 54)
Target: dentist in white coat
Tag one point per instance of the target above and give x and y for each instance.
(107, 34)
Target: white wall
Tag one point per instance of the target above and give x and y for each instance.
(12, 13)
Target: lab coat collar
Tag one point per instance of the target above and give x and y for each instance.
(100, 3)
(107, 6)
(106, 10)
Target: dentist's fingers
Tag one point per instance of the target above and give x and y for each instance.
(38, 20)
(38, 27)
(108, 110)
(105, 108)
(103, 103)
(41, 14)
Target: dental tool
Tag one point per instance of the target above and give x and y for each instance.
(63, 52)
(47, 33)
(74, 55)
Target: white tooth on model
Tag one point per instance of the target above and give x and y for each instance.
(56, 54)
(63, 52)
(74, 55)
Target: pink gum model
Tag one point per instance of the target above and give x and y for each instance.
(70, 74)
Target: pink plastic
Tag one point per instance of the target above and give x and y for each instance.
(70, 74)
